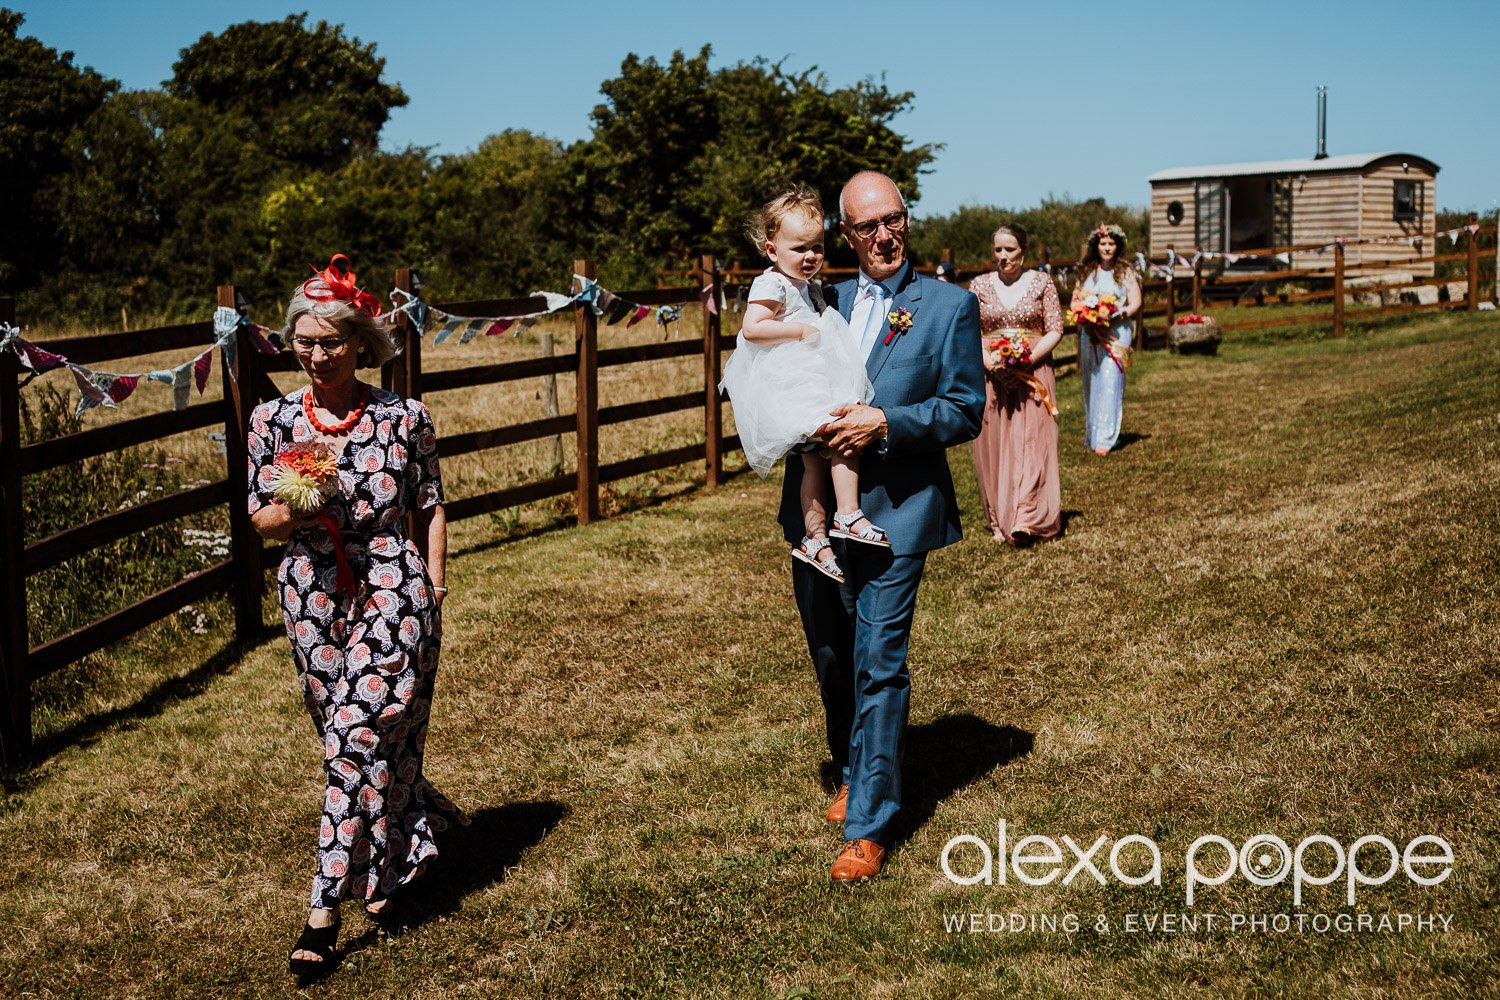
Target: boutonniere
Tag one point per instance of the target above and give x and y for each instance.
(900, 319)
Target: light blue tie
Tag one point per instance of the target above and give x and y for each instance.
(874, 320)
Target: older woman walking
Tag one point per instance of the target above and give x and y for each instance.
(361, 602)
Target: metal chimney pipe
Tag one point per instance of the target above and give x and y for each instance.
(1322, 124)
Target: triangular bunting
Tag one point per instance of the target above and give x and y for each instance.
(618, 310)
(202, 365)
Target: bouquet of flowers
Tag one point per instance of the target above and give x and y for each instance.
(304, 476)
(1187, 318)
(1010, 353)
(1009, 348)
(1092, 308)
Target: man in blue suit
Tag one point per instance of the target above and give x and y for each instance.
(929, 395)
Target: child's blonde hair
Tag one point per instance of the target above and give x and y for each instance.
(766, 223)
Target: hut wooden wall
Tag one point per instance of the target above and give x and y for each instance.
(1163, 234)
(1324, 205)
(1377, 218)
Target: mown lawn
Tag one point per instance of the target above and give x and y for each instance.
(1274, 610)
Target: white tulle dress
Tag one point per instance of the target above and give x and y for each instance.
(782, 392)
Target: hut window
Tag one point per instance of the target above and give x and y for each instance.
(1174, 213)
(1409, 201)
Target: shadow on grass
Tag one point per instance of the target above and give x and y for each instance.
(472, 858)
(943, 756)
(1129, 438)
(620, 506)
(946, 755)
(88, 729)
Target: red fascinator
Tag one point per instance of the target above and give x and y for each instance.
(335, 284)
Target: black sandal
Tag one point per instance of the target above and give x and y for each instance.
(319, 941)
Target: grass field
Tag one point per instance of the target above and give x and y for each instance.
(1274, 610)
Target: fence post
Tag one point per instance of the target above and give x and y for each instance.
(1171, 290)
(586, 326)
(15, 643)
(1338, 288)
(1198, 286)
(713, 407)
(406, 372)
(247, 582)
(1472, 302)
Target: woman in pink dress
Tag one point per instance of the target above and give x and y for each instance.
(1015, 455)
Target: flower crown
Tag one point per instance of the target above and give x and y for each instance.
(1103, 230)
(335, 284)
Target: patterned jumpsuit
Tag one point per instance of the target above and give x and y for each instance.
(366, 665)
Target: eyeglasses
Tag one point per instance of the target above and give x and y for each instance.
(330, 345)
(895, 224)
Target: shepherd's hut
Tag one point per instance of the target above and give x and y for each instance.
(1243, 210)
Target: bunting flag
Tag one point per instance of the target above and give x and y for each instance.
(665, 317)
(32, 357)
(97, 388)
(202, 365)
(448, 328)
(90, 394)
(588, 293)
(600, 301)
(258, 337)
(618, 310)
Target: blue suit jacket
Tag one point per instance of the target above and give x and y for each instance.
(930, 383)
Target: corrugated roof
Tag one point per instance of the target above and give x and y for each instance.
(1352, 161)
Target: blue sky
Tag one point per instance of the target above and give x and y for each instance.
(1079, 99)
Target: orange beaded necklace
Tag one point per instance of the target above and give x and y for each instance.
(339, 428)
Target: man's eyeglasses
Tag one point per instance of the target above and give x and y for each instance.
(330, 345)
(895, 223)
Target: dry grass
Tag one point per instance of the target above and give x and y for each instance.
(1273, 610)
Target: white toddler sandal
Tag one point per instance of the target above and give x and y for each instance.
(869, 535)
(808, 553)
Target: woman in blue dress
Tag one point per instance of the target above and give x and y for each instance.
(1104, 351)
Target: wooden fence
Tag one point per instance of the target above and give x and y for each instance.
(1188, 289)
(242, 575)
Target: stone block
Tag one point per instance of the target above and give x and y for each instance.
(1426, 295)
(1194, 338)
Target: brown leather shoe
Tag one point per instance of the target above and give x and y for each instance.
(859, 860)
(839, 807)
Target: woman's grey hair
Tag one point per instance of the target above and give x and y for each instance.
(375, 344)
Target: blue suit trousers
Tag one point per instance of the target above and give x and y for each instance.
(857, 636)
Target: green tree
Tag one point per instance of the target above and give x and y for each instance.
(493, 218)
(1059, 224)
(681, 154)
(44, 99)
(303, 96)
(370, 209)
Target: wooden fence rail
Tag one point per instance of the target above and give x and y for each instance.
(242, 576)
(1162, 298)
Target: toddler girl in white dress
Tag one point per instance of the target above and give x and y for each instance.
(795, 361)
